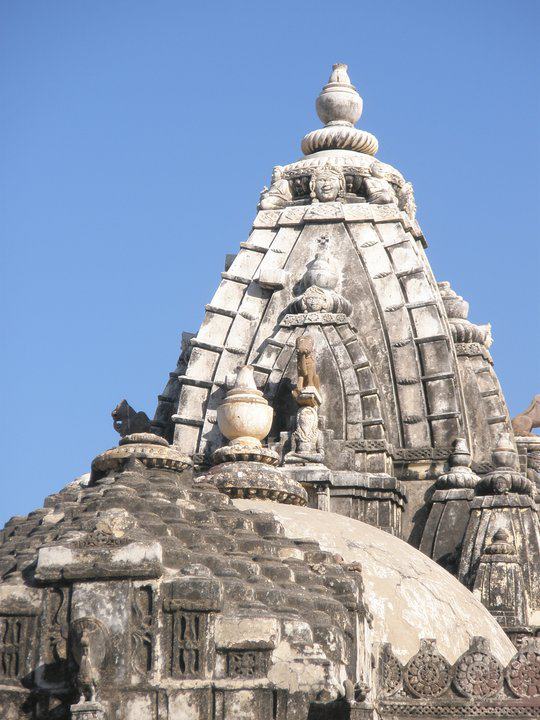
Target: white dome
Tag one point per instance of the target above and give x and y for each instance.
(409, 595)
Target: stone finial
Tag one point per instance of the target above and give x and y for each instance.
(460, 474)
(339, 106)
(461, 455)
(501, 544)
(504, 454)
(505, 478)
(244, 416)
(339, 102)
(243, 469)
(499, 582)
(457, 310)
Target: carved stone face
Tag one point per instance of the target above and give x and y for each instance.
(277, 174)
(327, 187)
(315, 299)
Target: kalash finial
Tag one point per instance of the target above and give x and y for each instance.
(339, 106)
(339, 103)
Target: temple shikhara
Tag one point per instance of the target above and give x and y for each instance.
(330, 515)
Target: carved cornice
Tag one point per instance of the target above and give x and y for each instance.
(476, 685)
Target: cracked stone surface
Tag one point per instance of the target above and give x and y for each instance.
(409, 595)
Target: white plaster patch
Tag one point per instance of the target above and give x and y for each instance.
(410, 596)
(233, 632)
(136, 553)
(54, 556)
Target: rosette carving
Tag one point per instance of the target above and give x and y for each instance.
(523, 672)
(476, 673)
(427, 674)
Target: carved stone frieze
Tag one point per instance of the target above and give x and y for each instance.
(247, 663)
(314, 318)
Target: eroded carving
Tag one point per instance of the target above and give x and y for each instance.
(377, 189)
(142, 636)
(523, 672)
(391, 671)
(89, 647)
(306, 439)
(15, 638)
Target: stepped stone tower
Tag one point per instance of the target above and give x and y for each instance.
(250, 553)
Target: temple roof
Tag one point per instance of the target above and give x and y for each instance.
(392, 361)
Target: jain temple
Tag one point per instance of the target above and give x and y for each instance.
(330, 515)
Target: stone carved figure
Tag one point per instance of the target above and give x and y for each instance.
(377, 189)
(327, 184)
(87, 676)
(127, 421)
(305, 364)
(406, 201)
(89, 644)
(278, 194)
(306, 440)
(339, 74)
(529, 419)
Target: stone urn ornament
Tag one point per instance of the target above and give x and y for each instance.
(245, 419)
(244, 468)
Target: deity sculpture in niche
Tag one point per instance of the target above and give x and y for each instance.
(89, 646)
(327, 184)
(306, 440)
(278, 194)
(377, 189)
(318, 285)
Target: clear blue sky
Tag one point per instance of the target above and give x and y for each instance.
(136, 136)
